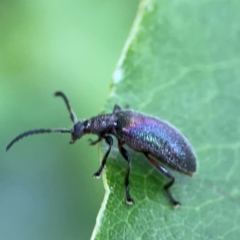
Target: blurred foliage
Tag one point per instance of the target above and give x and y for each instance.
(46, 185)
(181, 64)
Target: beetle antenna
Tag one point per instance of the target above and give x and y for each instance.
(72, 114)
(36, 131)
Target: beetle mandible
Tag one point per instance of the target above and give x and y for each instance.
(153, 137)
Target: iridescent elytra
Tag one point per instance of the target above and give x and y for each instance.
(160, 142)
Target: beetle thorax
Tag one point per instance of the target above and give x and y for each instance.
(100, 124)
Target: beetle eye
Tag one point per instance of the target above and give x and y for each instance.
(118, 126)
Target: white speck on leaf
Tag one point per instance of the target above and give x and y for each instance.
(118, 75)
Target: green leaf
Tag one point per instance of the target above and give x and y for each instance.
(180, 63)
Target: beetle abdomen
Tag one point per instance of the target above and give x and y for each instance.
(158, 138)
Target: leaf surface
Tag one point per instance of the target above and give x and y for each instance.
(181, 63)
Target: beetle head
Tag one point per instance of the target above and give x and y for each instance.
(77, 131)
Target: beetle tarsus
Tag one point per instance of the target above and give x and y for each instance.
(169, 194)
(109, 141)
(129, 200)
(97, 174)
(176, 204)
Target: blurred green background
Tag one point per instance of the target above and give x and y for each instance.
(46, 185)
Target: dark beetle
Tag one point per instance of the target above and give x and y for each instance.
(151, 136)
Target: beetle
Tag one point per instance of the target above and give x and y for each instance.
(159, 141)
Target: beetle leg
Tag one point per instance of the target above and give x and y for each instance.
(92, 142)
(109, 141)
(116, 108)
(125, 154)
(168, 174)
